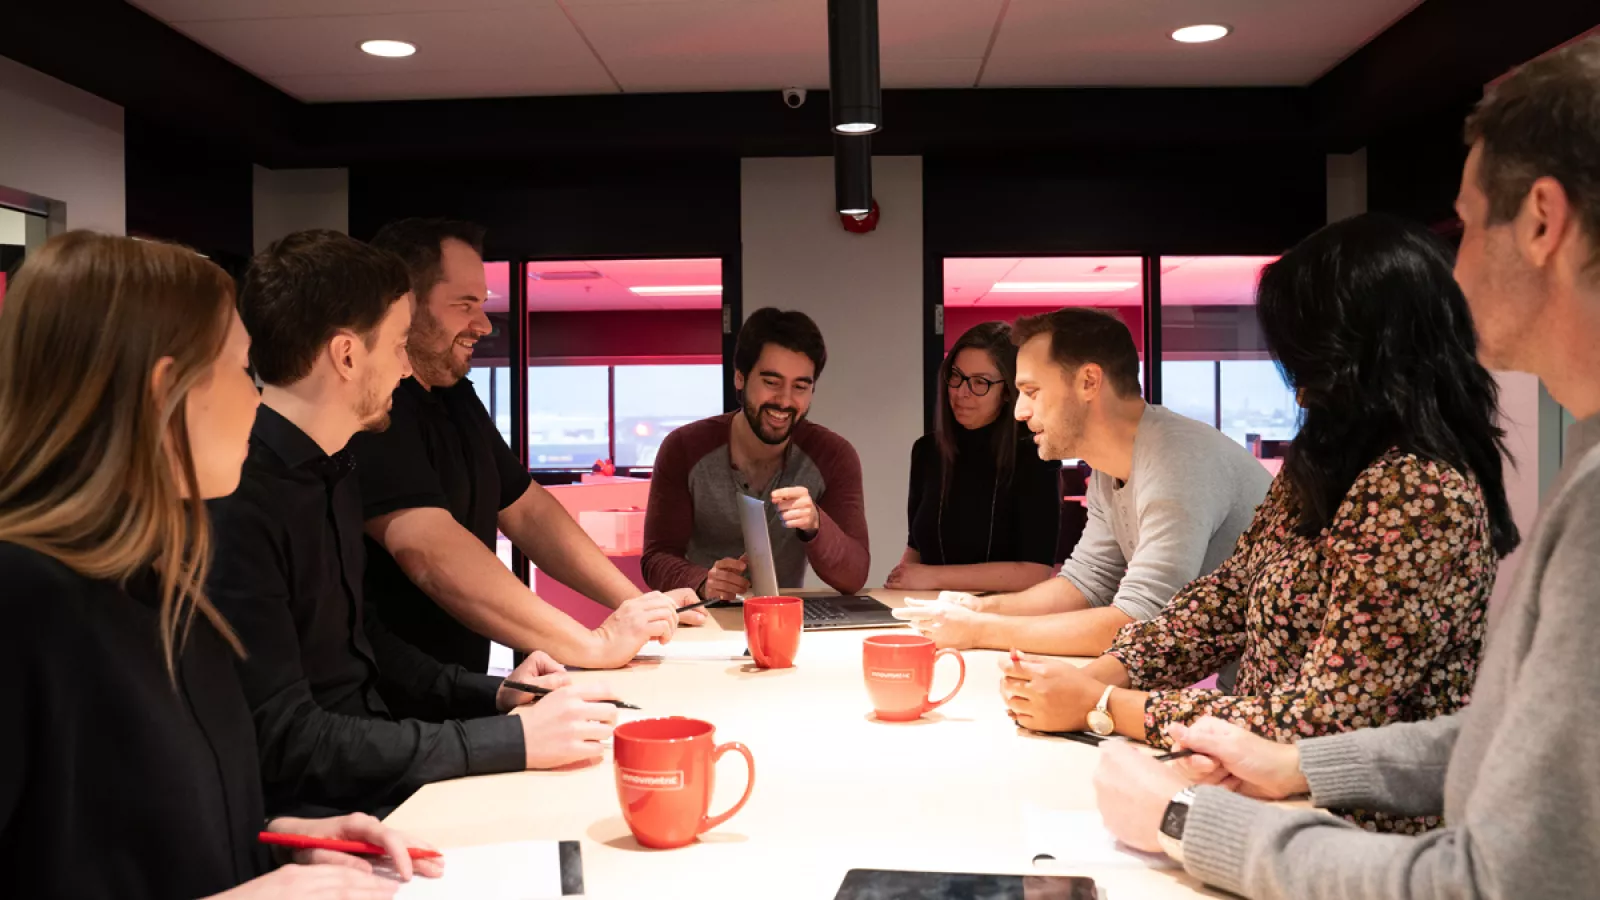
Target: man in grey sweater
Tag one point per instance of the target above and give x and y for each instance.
(1514, 773)
(1167, 502)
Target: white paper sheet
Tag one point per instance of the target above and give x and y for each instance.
(523, 870)
(724, 649)
(1078, 838)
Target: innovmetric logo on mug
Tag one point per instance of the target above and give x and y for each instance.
(651, 781)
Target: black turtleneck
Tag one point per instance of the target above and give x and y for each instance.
(983, 521)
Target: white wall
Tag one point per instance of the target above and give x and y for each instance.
(1519, 416)
(13, 228)
(290, 200)
(865, 293)
(62, 143)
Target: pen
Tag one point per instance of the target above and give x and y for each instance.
(540, 692)
(307, 842)
(1176, 754)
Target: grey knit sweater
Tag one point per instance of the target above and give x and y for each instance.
(1516, 774)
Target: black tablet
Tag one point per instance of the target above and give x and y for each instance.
(881, 884)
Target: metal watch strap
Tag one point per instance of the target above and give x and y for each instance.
(1173, 820)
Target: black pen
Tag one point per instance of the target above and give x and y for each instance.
(540, 692)
(1176, 754)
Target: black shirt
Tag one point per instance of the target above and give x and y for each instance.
(983, 521)
(114, 782)
(330, 687)
(441, 449)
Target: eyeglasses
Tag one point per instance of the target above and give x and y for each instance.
(977, 384)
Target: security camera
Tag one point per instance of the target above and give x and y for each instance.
(794, 98)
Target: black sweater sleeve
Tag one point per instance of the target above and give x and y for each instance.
(919, 474)
(308, 754)
(1036, 506)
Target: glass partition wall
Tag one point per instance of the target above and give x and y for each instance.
(589, 365)
(1209, 357)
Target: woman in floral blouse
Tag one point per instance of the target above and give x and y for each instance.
(1359, 594)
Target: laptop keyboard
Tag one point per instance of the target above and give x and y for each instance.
(822, 611)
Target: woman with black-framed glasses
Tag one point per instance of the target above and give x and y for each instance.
(984, 508)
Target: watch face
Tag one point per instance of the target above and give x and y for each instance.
(1172, 822)
(1100, 723)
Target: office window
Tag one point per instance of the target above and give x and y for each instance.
(1255, 401)
(652, 400)
(1189, 387)
(568, 416)
(1215, 366)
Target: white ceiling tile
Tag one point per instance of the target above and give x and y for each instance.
(309, 46)
(935, 29)
(512, 39)
(1114, 42)
(711, 46)
(221, 10)
(929, 73)
(453, 84)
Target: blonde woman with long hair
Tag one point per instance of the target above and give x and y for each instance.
(127, 759)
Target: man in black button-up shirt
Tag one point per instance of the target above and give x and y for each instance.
(347, 714)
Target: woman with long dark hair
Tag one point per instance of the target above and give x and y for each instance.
(984, 508)
(1360, 593)
(128, 763)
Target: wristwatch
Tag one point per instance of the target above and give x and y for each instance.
(1100, 717)
(1172, 821)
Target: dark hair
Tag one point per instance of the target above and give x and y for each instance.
(993, 338)
(1080, 335)
(788, 328)
(305, 288)
(420, 245)
(1366, 321)
(1543, 121)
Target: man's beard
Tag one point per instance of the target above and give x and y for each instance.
(752, 417)
(1065, 442)
(373, 413)
(433, 353)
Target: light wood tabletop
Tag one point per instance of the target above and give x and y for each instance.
(835, 789)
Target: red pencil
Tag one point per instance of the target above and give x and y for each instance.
(307, 842)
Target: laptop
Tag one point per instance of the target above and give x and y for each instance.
(823, 612)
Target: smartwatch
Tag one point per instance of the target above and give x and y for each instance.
(1172, 822)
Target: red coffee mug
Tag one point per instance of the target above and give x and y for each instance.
(772, 627)
(898, 669)
(665, 771)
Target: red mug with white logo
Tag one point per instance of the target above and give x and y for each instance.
(898, 669)
(772, 628)
(665, 771)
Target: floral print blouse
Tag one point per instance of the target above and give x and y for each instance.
(1379, 618)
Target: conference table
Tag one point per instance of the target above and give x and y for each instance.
(835, 789)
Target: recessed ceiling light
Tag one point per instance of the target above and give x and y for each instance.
(393, 49)
(678, 290)
(1200, 34)
(1061, 287)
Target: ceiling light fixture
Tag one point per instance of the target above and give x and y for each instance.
(852, 173)
(578, 275)
(854, 91)
(1061, 287)
(389, 49)
(678, 290)
(1201, 34)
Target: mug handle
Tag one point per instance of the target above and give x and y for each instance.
(948, 651)
(710, 822)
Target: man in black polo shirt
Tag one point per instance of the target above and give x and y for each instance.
(348, 715)
(441, 482)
